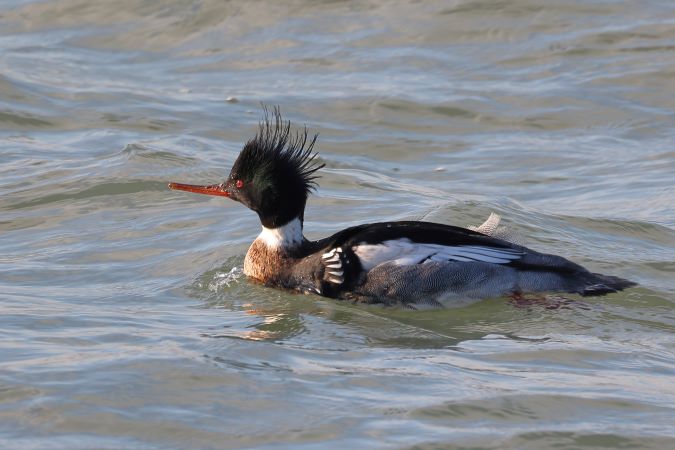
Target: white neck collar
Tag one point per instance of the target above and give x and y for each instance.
(286, 236)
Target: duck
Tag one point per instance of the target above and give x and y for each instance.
(415, 264)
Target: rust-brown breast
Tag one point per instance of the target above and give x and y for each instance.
(264, 263)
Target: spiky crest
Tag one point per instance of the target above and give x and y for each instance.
(275, 148)
(277, 169)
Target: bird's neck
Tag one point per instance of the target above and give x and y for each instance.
(285, 237)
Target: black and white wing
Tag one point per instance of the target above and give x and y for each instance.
(408, 260)
(405, 252)
(349, 253)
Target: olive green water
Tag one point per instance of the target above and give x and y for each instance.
(125, 321)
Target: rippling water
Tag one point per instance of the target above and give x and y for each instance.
(126, 322)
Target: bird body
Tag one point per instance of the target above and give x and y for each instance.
(413, 263)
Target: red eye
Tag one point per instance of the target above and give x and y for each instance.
(239, 184)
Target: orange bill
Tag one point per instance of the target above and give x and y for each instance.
(213, 189)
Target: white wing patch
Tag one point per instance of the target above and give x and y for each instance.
(404, 252)
(332, 261)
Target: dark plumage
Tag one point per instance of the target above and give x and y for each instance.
(274, 150)
(277, 171)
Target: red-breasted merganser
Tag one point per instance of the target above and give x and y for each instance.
(417, 264)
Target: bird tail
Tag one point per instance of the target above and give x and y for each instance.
(605, 284)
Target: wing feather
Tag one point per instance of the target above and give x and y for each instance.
(406, 252)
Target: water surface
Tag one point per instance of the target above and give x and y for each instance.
(126, 322)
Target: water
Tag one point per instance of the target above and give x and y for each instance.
(126, 322)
